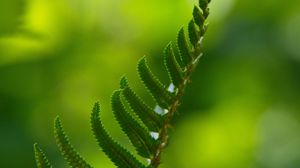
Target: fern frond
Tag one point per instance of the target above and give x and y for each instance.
(172, 66)
(40, 157)
(117, 154)
(189, 60)
(159, 92)
(139, 137)
(137, 127)
(67, 150)
(150, 118)
(184, 49)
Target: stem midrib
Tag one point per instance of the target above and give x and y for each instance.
(163, 134)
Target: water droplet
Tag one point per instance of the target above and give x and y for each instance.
(160, 110)
(148, 161)
(171, 88)
(154, 135)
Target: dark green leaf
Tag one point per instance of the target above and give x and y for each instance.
(117, 154)
(193, 33)
(173, 68)
(150, 118)
(198, 16)
(67, 150)
(184, 49)
(40, 157)
(139, 137)
(159, 92)
(123, 82)
(203, 4)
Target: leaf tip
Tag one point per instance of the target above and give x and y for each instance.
(123, 82)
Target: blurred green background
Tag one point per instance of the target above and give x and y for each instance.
(57, 57)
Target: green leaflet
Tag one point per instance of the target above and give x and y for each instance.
(123, 82)
(172, 66)
(204, 6)
(159, 92)
(139, 137)
(67, 150)
(40, 157)
(117, 154)
(150, 118)
(198, 16)
(193, 33)
(184, 49)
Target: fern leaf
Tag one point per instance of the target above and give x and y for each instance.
(198, 16)
(117, 154)
(184, 49)
(139, 137)
(67, 150)
(40, 157)
(159, 92)
(172, 66)
(150, 118)
(193, 33)
(204, 6)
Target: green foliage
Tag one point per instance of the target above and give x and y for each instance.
(204, 6)
(138, 135)
(40, 157)
(67, 150)
(150, 118)
(193, 33)
(198, 16)
(184, 48)
(140, 127)
(118, 154)
(173, 68)
(154, 86)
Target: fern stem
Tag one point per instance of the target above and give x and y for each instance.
(196, 53)
(163, 134)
